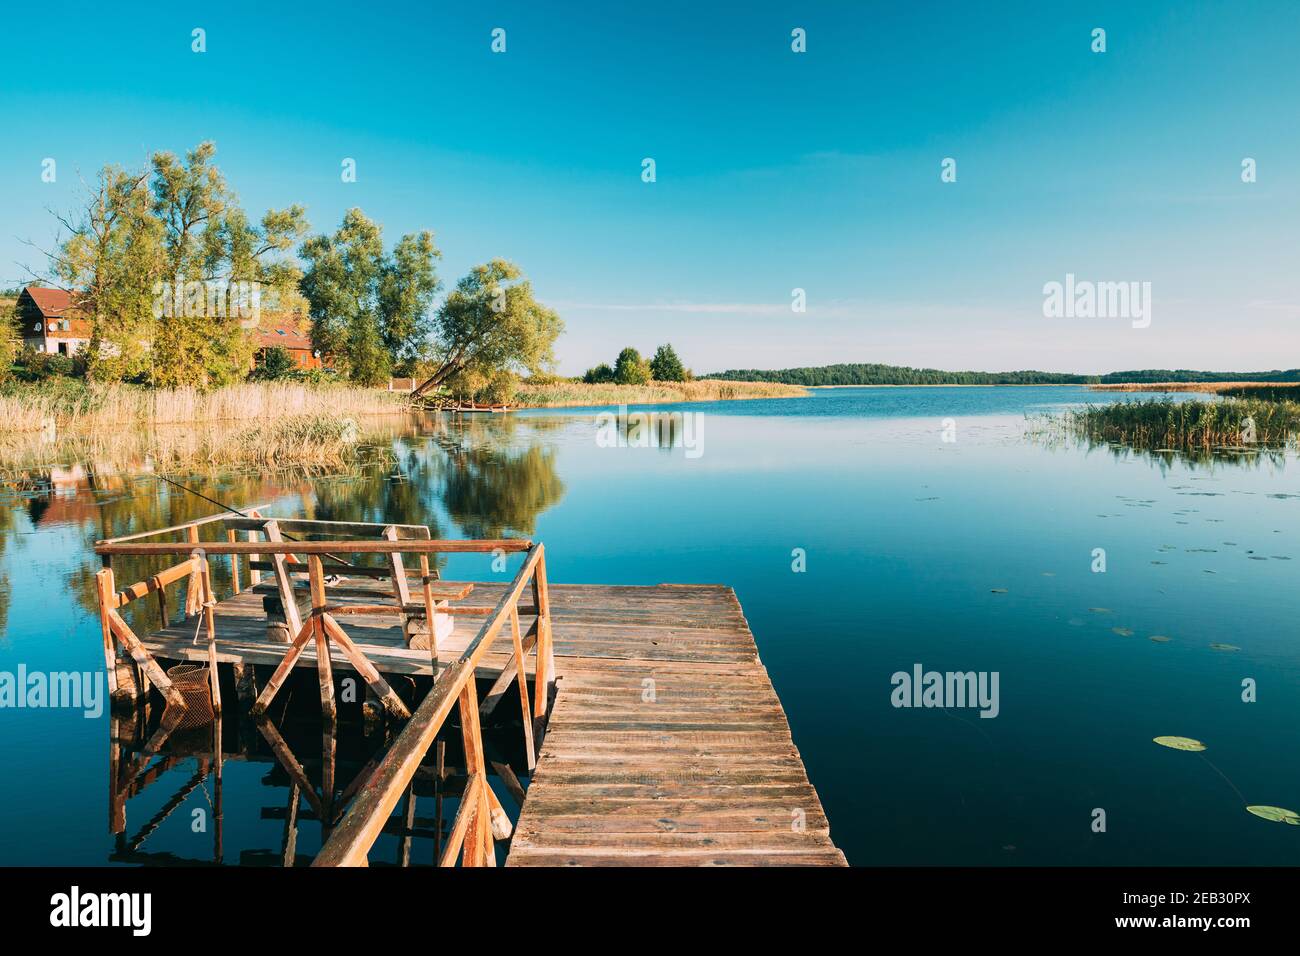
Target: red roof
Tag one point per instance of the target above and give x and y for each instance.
(282, 330)
(53, 303)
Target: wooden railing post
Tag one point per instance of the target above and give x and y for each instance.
(316, 573)
(478, 839)
(545, 651)
(194, 589)
(210, 620)
(104, 593)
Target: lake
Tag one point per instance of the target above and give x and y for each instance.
(866, 532)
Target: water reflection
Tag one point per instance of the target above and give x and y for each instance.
(268, 792)
(492, 478)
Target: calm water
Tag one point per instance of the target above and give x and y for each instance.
(975, 554)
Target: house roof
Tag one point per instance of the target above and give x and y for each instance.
(53, 303)
(285, 329)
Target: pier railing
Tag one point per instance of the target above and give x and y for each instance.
(471, 833)
(471, 838)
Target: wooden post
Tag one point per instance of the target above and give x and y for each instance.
(430, 628)
(284, 581)
(478, 840)
(234, 562)
(522, 680)
(317, 575)
(210, 619)
(401, 590)
(104, 593)
(254, 576)
(194, 589)
(545, 653)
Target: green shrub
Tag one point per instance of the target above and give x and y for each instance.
(631, 368)
(666, 366)
(602, 374)
(276, 364)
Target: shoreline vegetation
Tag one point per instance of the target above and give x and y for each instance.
(568, 394)
(76, 405)
(860, 374)
(1233, 425)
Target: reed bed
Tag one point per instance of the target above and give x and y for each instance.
(79, 406)
(1232, 423)
(310, 441)
(569, 394)
(1283, 390)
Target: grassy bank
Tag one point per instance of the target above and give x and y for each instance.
(570, 394)
(73, 404)
(1263, 390)
(1230, 423)
(302, 441)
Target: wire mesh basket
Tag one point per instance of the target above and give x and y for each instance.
(192, 682)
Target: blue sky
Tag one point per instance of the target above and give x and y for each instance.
(775, 170)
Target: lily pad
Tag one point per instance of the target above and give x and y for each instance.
(1277, 814)
(1179, 743)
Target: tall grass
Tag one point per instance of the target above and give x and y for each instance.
(1276, 390)
(76, 405)
(1158, 424)
(312, 441)
(567, 394)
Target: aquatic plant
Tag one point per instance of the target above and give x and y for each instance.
(1232, 424)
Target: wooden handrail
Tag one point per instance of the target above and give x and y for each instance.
(173, 529)
(352, 839)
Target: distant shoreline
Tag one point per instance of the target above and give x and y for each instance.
(966, 385)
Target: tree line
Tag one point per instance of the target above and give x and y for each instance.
(172, 273)
(876, 374)
(631, 369)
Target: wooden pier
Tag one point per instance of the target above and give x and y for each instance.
(657, 737)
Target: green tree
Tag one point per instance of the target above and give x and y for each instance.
(112, 256)
(153, 256)
(276, 364)
(602, 374)
(369, 310)
(10, 342)
(210, 248)
(631, 368)
(408, 282)
(666, 366)
(491, 321)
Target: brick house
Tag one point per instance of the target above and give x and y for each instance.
(50, 321)
(289, 331)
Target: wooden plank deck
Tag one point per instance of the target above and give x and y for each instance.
(666, 743)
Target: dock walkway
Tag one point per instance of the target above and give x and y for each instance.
(656, 734)
(666, 745)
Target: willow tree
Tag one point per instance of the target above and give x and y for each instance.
(110, 259)
(369, 310)
(491, 322)
(152, 255)
(210, 245)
